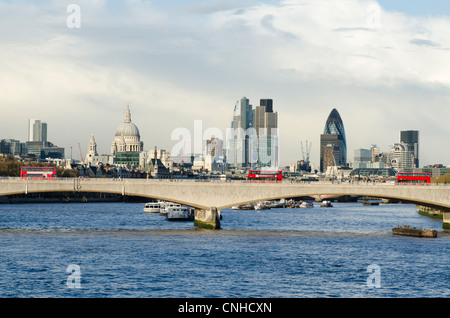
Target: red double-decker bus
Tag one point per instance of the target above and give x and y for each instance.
(413, 177)
(38, 173)
(264, 175)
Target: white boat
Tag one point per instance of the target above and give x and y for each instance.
(152, 207)
(162, 206)
(326, 204)
(180, 213)
(166, 205)
(260, 206)
(307, 204)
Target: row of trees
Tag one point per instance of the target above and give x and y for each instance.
(442, 179)
(10, 167)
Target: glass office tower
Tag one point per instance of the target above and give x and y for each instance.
(334, 135)
(411, 139)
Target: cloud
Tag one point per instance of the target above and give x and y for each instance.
(352, 29)
(267, 23)
(422, 42)
(178, 63)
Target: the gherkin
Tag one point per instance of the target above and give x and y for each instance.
(335, 126)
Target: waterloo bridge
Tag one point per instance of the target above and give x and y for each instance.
(210, 197)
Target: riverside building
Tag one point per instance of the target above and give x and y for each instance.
(252, 139)
(333, 143)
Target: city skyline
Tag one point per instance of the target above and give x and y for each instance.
(178, 62)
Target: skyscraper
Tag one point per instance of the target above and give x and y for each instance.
(411, 139)
(252, 140)
(240, 136)
(333, 135)
(268, 103)
(37, 137)
(37, 131)
(266, 128)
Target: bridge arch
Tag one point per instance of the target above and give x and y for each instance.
(141, 195)
(333, 196)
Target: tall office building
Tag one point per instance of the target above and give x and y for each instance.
(411, 139)
(37, 131)
(252, 140)
(266, 128)
(37, 137)
(333, 138)
(240, 136)
(268, 103)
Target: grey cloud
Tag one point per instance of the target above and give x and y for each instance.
(351, 29)
(267, 23)
(215, 6)
(421, 42)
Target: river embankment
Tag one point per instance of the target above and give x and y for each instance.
(68, 197)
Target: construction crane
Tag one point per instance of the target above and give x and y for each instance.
(234, 113)
(305, 162)
(81, 154)
(306, 154)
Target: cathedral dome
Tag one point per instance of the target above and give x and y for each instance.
(127, 128)
(127, 138)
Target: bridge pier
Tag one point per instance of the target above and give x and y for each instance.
(207, 219)
(446, 220)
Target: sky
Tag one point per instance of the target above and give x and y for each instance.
(384, 65)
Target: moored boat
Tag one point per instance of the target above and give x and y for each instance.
(260, 206)
(412, 231)
(326, 204)
(165, 206)
(306, 204)
(179, 213)
(152, 207)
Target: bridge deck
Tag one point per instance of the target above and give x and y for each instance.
(222, 194)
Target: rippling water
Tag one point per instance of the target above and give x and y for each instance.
(120, 251)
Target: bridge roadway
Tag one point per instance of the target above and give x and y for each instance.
(211, 196)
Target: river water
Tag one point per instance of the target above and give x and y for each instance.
(117, 250)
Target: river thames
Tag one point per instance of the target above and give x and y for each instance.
(99, 250)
